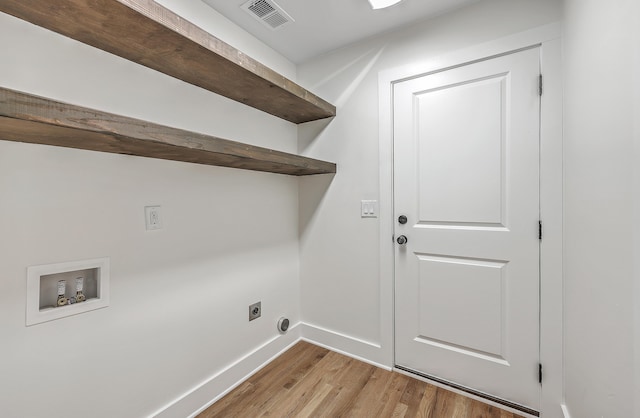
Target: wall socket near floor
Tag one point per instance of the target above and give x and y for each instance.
(255, 310)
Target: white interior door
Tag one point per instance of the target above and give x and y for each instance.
(466, 162)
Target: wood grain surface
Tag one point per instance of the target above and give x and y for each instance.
(149, 34)
(310, 381)
(33, 119)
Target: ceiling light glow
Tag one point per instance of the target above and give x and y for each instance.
(381, 4)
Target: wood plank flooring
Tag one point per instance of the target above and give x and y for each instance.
(310, 381)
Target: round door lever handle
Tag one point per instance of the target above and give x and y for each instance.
(402, 240)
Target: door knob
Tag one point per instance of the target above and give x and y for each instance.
(402, 219)
(402, 240)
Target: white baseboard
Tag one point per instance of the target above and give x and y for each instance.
(356, 348)
(206, 393)
(565, 411)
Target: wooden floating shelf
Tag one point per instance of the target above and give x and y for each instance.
(33, 119)
(149, 34)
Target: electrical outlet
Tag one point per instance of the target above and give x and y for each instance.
(152, 217)
(255, 310)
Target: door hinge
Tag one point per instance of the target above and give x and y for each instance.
(540, 373)
(539, 230)
(540, 85)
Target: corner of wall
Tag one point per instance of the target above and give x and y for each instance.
(208, 392)
(366, 351)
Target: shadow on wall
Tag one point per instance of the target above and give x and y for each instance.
(338, 87)
(309, 132)
(312, 190)
(341, 83)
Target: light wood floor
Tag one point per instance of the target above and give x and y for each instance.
(310, 381)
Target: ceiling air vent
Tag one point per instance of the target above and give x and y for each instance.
(268, 12)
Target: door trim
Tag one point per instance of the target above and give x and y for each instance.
(551, 169)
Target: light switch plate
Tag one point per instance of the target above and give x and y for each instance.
(369, 208)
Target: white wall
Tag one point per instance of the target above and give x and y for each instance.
(636, 207)
(179, 296)
(341, 283)
(600, 80)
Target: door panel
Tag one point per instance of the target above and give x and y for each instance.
(474, 316)
(466, 151)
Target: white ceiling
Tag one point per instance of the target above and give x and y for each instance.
(324, 25)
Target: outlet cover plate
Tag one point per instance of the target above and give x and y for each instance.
(255, 311)
(153, 217)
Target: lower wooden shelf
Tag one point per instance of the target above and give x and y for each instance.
(28, 118)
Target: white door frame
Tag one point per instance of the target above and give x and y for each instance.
(551, 175)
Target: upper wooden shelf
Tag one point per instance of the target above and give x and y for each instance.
(147, 33)
(28, 118)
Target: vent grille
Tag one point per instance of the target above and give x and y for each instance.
(268, 13)
(276, 20)
(261, 8)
